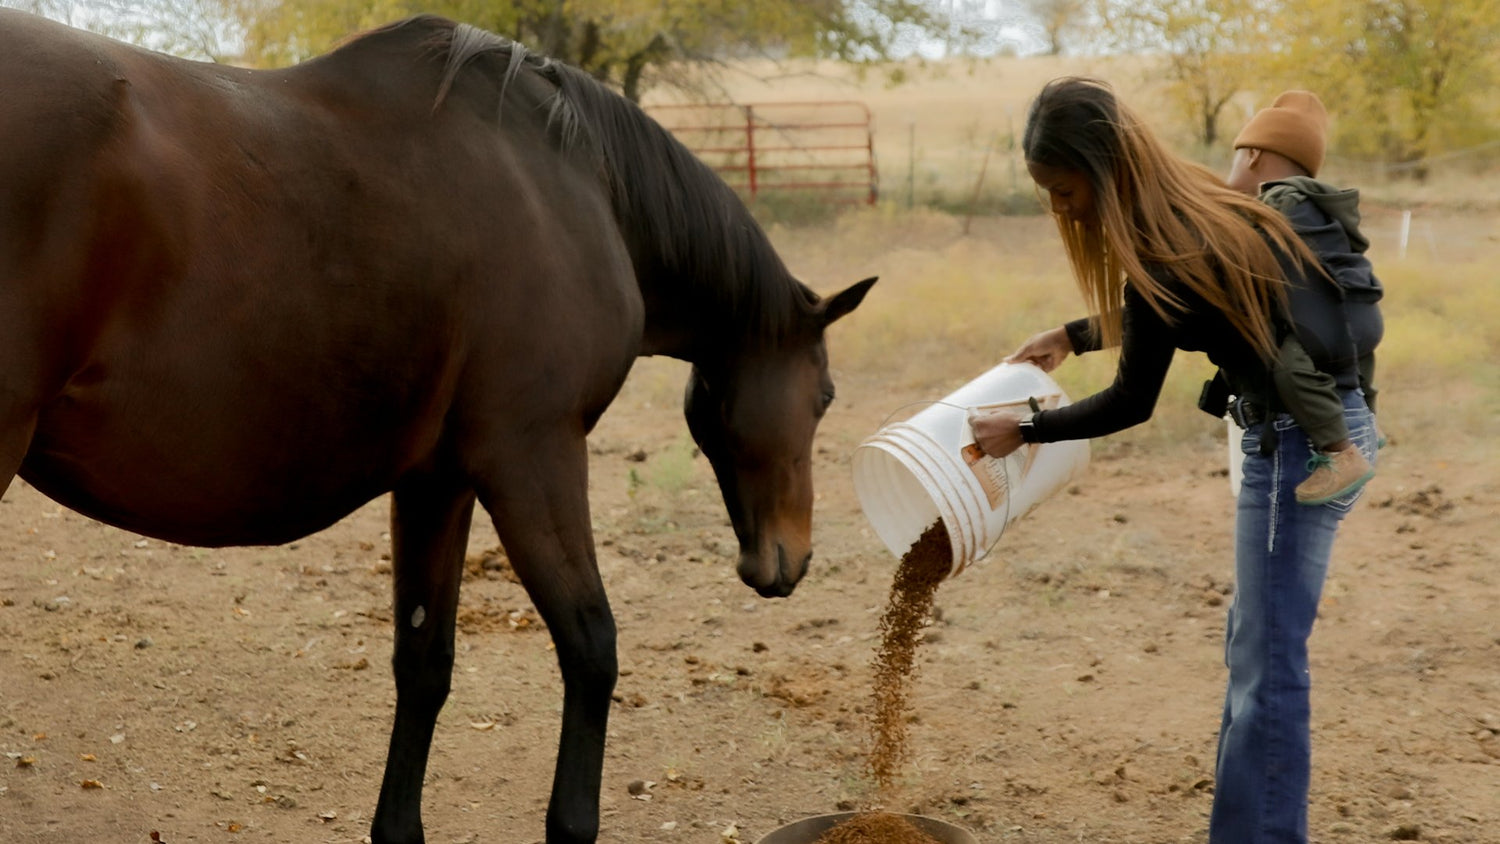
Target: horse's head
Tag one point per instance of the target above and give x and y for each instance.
(754, 416)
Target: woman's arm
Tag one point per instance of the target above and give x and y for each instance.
(1145, 355)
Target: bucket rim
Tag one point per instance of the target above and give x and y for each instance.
(909, 454)
(957, 487)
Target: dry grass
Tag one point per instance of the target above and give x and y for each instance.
(952, 302)
(950, 305)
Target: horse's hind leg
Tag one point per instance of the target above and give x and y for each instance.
(429, 534)
(539, 501)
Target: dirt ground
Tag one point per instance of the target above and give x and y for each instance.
(1068, 690)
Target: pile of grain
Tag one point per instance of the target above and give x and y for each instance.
(876, 828)
(922, 568)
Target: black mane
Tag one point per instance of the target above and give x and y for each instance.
(682, 221)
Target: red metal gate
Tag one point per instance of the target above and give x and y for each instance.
(823, 150)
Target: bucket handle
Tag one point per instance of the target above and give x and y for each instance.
(965, 431)
(925, 402)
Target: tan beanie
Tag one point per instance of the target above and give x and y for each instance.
(1296, 126)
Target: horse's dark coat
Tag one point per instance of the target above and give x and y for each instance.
(236, 305)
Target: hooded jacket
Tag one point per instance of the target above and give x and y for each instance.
(1327, 219)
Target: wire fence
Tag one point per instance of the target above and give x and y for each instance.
(819, 151)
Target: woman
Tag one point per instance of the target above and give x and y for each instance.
(1169, 257)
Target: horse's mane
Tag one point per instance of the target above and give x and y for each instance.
(670, 206)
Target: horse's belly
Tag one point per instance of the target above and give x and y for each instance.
(184, 481)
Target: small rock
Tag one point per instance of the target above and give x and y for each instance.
(1405, 832)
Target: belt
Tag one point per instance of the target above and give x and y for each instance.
(1246, 413)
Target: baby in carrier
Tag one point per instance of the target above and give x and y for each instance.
(1277, 157)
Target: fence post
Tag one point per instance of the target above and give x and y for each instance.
(978, 185)
(911, 164)
(1010, 146)
(750, 147)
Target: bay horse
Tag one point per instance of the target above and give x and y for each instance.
(236, 305)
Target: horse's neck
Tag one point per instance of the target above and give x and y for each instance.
(681, 321)
(718, 281)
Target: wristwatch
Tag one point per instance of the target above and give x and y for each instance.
(1028, 428)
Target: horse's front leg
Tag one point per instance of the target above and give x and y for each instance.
(429, 534)
(538, 497)
(17, 426)
(15, 438)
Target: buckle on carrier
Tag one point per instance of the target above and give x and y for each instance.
(1245, 413)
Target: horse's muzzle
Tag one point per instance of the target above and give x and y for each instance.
(776, 580)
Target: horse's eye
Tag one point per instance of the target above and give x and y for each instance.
(827, 397)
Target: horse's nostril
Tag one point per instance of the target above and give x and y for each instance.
(791, 572)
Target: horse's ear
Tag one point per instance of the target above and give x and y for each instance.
(846, 300)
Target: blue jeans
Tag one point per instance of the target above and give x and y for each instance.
(1282, 550)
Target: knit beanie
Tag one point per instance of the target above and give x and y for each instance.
(1296, 126)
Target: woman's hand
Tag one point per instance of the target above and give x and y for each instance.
(998, 432)
(1046, 350)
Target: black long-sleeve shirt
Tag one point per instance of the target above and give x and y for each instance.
(1149, 341)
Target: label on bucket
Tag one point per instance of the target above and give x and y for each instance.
(989, 472)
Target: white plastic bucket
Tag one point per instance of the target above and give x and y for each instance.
(911, 473)
(1236, 457)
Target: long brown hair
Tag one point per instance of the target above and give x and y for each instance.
(1153, 207)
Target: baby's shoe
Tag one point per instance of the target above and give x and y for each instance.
(1334, 475)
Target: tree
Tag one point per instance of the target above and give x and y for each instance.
(620, 42)
(1405, 79)
(1058, 20)
(200, 29)
(1213, 49)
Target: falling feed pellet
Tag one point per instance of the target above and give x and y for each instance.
(922, 568)
(876, 828)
